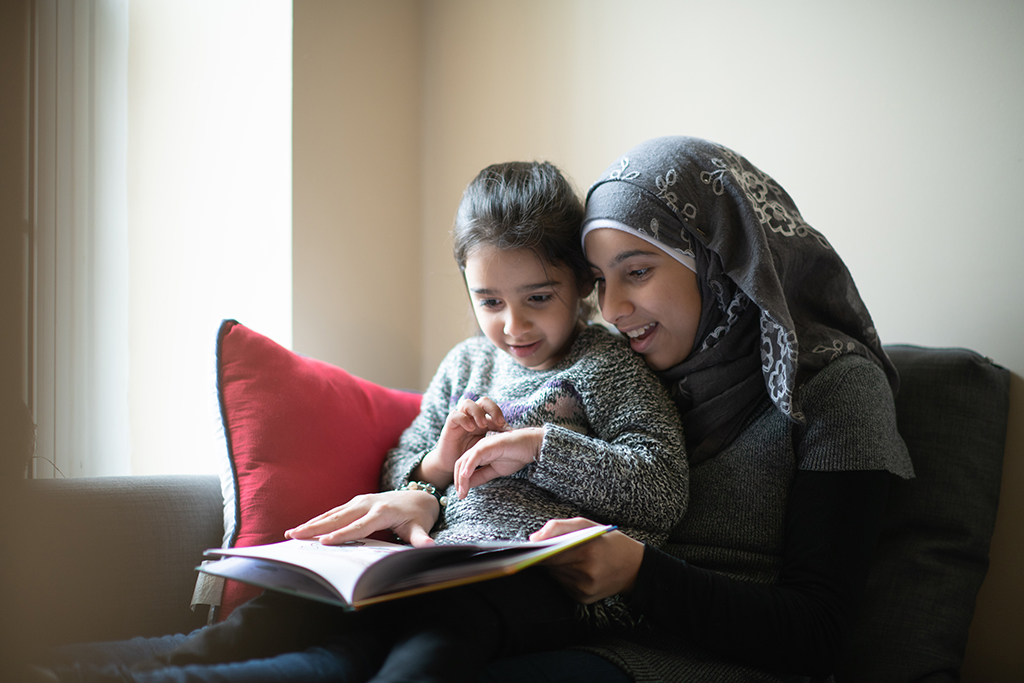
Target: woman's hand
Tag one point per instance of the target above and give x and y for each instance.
(409, 514)
(598, 569)
(467, 424)
(498, 455)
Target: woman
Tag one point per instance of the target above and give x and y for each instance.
(786, 396)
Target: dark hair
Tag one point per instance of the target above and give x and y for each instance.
(524, 205)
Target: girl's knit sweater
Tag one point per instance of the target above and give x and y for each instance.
(612, 448)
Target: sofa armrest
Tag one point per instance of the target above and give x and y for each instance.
(108, 558)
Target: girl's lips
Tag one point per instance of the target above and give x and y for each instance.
(523, 350)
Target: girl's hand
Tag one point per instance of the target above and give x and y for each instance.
(498, 455)
(409, 514)
(469, 422)
(598, 569)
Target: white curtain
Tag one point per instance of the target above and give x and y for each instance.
(81, 256)
(209, 208)
(162, 205)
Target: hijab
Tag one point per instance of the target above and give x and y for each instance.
(778, 303)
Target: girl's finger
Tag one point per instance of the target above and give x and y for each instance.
(460, 475)
(360, 528)
(481, 475)
(497, 421)
(463, 421)
(319, 517)
(330, 521)
(464, 467)
(305, 526)
(475, 412)
(419, 537)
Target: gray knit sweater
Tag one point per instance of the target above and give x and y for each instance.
(737, 514)
(612, 448)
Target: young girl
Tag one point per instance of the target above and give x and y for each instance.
(528, 421)
(542, 417)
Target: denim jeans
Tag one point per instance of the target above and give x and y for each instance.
(555, 666)
(446, 636)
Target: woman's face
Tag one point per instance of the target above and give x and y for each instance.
(649, 296)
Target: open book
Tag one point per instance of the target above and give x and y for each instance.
(364, 572)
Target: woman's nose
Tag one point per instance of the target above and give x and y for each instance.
(614, 303)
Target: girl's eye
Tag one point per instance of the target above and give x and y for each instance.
(489, 303)
(539, 298)
(639, 274)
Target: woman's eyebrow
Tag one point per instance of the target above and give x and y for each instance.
(626, 255)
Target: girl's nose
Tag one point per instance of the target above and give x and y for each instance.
(516, 323)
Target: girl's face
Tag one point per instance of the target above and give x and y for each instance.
(648, 295)
(527, 308)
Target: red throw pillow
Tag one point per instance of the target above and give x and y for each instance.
(303, 436)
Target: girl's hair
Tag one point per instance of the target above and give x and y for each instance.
(524, 205)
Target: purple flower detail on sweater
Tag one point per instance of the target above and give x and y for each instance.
(562, 404)
(454, 400)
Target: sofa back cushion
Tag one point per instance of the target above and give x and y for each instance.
(952, 410)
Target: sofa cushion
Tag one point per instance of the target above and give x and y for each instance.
(106, 558)
(303, 436)
(951, 410)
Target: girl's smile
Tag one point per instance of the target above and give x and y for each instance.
(524, 350)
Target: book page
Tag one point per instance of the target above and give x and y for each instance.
(366, 571)
(340, 566)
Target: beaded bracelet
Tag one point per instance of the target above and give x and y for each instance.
(428, 487)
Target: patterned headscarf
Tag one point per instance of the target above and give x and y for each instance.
(778, 302)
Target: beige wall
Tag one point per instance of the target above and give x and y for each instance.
(356, 187)
(896, 127)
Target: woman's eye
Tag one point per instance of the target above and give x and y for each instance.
(639, 274)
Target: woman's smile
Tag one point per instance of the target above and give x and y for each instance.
(641, 338)
(640, 332)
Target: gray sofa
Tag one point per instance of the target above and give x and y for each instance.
(111, 558)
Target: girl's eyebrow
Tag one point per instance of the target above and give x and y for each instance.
(525, 288)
